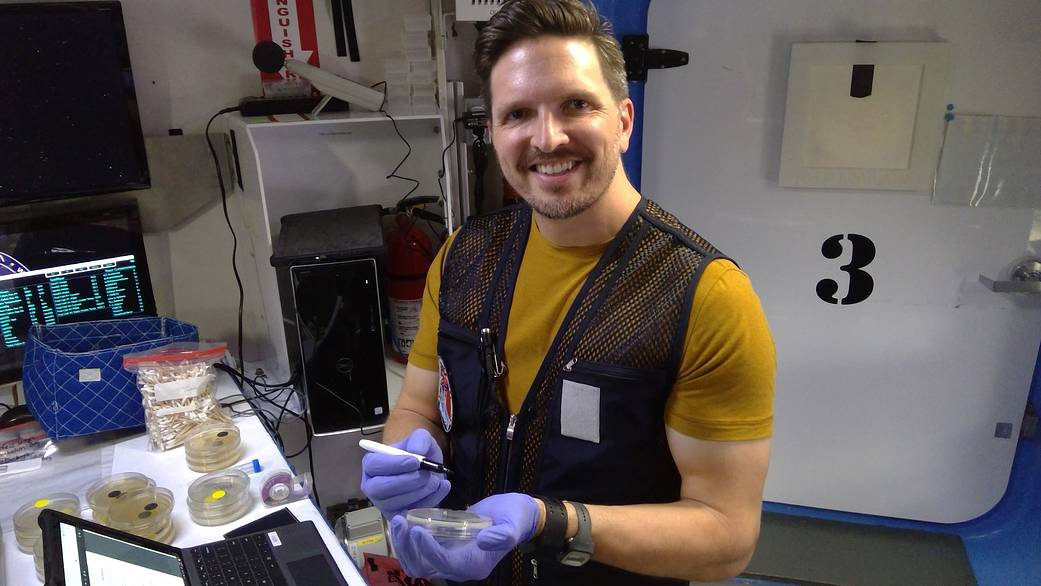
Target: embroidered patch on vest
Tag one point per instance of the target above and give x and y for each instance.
(444, 395)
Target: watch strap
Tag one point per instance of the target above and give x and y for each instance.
(554, 529)
(580, 547)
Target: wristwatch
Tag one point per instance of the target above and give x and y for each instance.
(580, 547)
(554, 529)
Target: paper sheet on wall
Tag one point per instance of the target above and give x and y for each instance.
(990, 161)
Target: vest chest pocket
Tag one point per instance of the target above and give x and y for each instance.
(622, 397)
(605, 429)
(459, 351)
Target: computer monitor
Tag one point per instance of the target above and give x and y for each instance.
(70, 268)
(69, 121)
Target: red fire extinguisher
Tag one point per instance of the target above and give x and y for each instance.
(409, 254)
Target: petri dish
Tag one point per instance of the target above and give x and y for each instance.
(26, 529)
(219, 497)
(146, 512)
(448, 526)
(213, 447)
(104, 492)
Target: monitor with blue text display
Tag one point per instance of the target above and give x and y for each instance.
(66, 269)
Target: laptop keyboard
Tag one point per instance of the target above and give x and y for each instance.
(242, 561)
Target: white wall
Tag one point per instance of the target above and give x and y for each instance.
(887, 407)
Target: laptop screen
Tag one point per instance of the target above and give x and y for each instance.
(92, 559)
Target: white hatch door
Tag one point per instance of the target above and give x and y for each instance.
(908, 403)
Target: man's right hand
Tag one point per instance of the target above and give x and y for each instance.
(396, 484)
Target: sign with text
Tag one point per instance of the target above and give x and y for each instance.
(290, 24)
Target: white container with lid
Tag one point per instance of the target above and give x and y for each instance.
(420, 77)
(417, 54)
(423, 66)
(424, 105)
(396, 67)
(417, 22)
(417, 39)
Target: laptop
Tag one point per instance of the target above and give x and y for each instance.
(83, 553)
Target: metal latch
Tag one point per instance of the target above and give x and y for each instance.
(639, 57)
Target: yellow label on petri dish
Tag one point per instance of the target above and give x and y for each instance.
(215, 496)
(41, 503)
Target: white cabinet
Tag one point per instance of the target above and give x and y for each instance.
(331, 162)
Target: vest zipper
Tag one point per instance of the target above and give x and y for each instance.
(607, 370)
(511, 425)
(534, 568)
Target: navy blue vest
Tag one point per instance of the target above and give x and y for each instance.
(624, 335)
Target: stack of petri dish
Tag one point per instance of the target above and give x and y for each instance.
(38, 558)
(26, 530)
(449, 527)
(103, 493)
(213, 446)
(145, 512)
(219, 497)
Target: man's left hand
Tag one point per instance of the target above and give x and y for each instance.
(514, 517)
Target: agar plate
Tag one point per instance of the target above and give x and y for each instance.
(219, 497)
(213, 446)
(26, 530)
(145, 512)
(103, 493)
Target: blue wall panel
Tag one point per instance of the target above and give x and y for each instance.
(629, 17)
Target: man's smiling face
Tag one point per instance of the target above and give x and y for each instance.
(557, 130)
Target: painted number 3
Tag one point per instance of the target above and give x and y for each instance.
(860, 282)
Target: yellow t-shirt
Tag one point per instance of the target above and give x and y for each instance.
(724, 388)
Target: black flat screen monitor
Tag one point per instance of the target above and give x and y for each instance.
(66, 269)
(69, 123)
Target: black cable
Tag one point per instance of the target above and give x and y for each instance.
(441, 175)
(265, 396)
(261, 415)
(361, 416)
(234, 238)
(285, 407)
(394, 123)
(256, 381)
(6, 406)
(257, 393)
(480, 164)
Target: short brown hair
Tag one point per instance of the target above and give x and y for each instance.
(519, 20)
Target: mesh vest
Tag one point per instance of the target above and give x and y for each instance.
(623, 335)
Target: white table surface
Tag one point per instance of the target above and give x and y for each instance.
(82, 461)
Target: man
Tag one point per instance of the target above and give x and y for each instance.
(598, 375)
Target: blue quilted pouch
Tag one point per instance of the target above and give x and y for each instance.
(73, 374)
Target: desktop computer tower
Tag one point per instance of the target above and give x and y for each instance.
(329, 267)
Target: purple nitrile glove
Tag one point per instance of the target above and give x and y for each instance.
(396, 484)
(514, 517)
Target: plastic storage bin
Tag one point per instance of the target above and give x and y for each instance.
(73, 374)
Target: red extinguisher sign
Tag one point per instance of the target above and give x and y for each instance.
(290, 24)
